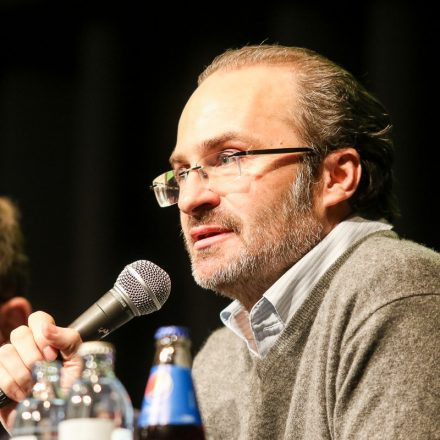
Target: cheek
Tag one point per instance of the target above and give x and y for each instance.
(247, 212)
(184, 221)
(185, 227)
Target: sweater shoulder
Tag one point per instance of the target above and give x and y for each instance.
(381, 245)
(381, 271)
(385, 262)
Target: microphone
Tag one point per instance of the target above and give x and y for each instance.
(141, 288)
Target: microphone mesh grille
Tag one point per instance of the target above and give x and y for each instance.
(149, 294)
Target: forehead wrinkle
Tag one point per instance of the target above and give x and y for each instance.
(209, 145)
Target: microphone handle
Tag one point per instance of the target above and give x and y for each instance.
(100, 319)
(107, 314)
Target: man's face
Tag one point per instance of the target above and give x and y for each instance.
(243, 235)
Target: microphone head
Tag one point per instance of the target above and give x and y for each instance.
(146, 285)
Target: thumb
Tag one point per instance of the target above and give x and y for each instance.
(66, 340)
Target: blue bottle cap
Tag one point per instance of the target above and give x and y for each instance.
(171, 330)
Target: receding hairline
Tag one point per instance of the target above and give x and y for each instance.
(263, 55)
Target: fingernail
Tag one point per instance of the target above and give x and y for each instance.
(50, 354)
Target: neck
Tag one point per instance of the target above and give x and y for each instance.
(250, 290)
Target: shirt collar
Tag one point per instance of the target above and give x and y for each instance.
(260, 328)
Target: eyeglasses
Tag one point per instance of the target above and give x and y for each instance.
(221, 168)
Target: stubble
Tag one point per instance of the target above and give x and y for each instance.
(277, 237)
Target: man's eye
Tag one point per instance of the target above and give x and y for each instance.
(180, 175)
(225, 158)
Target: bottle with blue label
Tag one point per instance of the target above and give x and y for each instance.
(169, 409)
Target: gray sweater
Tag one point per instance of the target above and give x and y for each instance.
(359, 360)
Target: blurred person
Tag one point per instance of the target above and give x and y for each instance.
(14, 308)
(282, 173)
(14, 276)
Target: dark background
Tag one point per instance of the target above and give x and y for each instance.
(90, 95)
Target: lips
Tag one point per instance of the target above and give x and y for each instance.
(204, 236)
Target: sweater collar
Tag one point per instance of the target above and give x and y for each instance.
(261, 327)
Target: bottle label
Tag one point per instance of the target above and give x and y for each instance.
(25, 437)
(169, 398)
(122, 434)
(92, 429)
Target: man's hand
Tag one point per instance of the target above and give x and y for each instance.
(40, 340)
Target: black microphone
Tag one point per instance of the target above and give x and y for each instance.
(141, 288)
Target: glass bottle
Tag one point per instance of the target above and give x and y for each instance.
(37, 417)
(169, 409)
(97, 405)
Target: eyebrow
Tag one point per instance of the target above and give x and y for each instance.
(210, 144)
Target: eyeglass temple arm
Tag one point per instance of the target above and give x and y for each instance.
(273, 151)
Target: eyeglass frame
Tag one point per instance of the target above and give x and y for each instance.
(237, 154)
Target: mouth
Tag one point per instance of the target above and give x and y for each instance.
(205, 236)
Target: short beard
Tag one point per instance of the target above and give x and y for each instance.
(283, 233)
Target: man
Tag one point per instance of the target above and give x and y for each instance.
(334, 331)
(14, 308)
(282, 175)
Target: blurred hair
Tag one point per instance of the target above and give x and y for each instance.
(14, 274)
(333, 111)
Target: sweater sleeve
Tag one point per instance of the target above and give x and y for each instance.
(388, 381)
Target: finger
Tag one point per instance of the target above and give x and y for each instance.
(70, 372)
(37, 322)
(7, 415)
(65, 339)
(23, 341)
(15, 378)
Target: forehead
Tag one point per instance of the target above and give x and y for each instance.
(252, 106)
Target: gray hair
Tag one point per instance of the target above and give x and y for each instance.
(336, 111)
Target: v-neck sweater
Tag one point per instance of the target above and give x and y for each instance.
(359, 359)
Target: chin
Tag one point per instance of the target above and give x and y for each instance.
(206, 274)
(203, 273)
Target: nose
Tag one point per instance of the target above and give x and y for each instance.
(195, 194)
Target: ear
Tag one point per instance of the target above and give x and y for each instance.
(341, 174)
(13, 313)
